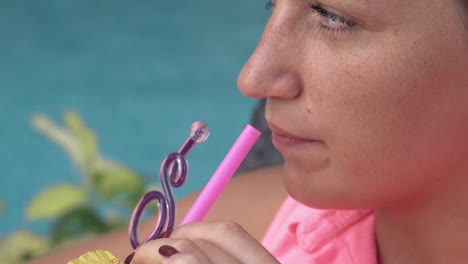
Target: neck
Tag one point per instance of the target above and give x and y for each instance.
(430, 229)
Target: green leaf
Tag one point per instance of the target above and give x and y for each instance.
(55, 201)
(61, 137)
(112, 180)
(84, 136)
(81, 222)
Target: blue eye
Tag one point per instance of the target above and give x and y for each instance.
(333, 23)
(330, 15)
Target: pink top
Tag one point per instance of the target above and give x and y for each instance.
(299, 234)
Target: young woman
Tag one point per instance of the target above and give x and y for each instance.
(367, 101)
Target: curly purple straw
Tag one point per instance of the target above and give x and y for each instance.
(174, 168)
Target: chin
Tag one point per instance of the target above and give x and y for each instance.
(331, 201)
(320, 191)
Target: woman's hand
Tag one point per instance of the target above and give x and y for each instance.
(204, 243)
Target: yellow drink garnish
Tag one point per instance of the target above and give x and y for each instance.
(96, 257)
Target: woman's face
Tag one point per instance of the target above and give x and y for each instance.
(367, 99)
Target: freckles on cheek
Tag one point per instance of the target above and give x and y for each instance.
(361, 91)
(365, 114)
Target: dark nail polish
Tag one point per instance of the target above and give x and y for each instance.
(167, 251)
(129, 258)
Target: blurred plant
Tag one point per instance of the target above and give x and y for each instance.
(22, 245)
(102, 202)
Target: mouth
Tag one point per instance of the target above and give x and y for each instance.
(283, 140)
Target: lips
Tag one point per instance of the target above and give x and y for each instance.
(282, 139)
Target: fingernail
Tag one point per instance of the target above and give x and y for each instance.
(166, 234)
(167, 251)
(129, 258)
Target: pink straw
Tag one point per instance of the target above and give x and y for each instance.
(222, 175)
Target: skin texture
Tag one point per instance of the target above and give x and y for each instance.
(369, 116)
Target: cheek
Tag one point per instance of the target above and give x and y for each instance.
(366, 111)
(392, 117)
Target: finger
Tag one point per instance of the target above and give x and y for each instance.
(196, 251)
(215, 253)
(183, 258)
(228, 236)
(154, 251)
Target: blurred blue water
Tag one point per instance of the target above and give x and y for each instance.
(139, 72)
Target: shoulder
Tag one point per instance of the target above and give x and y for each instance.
(250, 199)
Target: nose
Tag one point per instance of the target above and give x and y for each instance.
(271, 71)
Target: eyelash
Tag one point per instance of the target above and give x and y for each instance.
(345, 25)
